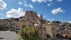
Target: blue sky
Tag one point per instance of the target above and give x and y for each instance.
(50, 9)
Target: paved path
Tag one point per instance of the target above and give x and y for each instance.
(7, 35)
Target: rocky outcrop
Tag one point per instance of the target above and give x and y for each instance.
(31, 14)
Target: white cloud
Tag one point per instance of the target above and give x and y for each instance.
(59, 0)
(3, 5)
(20, 3)
(57, 10)
(25, 4)
(28, 5)
(39, 1)
(1, 18)
(49, 4)
(15, 13)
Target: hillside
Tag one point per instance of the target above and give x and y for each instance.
(32, 19)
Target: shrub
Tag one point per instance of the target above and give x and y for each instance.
(29, 33)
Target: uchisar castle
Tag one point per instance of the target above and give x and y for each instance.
(52, 29)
